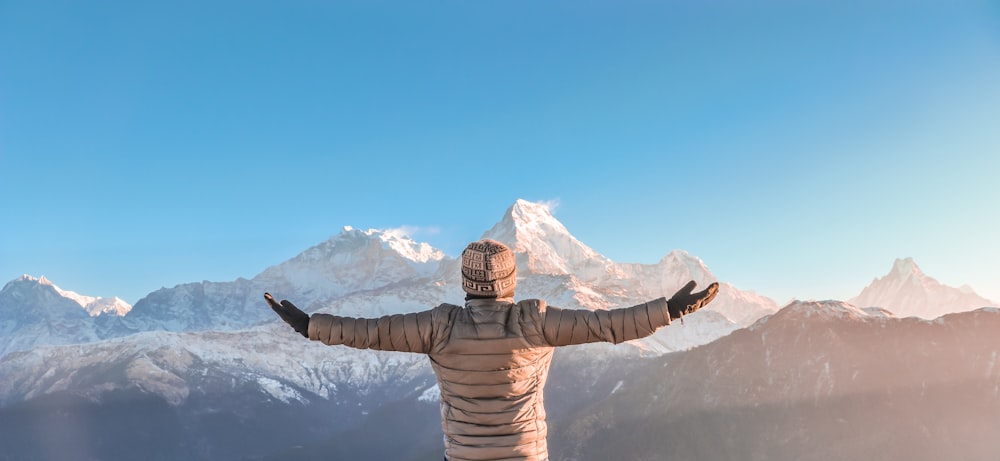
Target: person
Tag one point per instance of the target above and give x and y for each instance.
(491, 356)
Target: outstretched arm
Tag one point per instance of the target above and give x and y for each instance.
(563, 327)
(399, 332)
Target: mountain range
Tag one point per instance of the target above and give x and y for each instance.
(222, 378)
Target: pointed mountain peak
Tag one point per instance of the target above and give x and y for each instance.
(525, 221)
(543, 244)
(907, 292)
(526, 213)
(906, 267)
(46, 285)
(683, 266)
(682, 257)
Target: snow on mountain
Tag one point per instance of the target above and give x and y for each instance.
(372, 273)
(354, 262)
(275, 361)
(906, 291)
(555, 266)
(544, 246)
(93, 305)
(34, 311)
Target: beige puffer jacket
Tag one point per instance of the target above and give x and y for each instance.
(491, 359)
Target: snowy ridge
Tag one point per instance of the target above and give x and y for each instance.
(398, 240)
(94, 305)
(278, 362)
(355, 260)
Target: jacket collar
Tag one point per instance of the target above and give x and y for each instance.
(488, 302)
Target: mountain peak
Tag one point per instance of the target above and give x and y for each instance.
(525, 212)
(543, 244)
(906, 291)
(906, 267)
(94, 305)
(525, 221)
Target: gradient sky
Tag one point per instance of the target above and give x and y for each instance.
(797, 147)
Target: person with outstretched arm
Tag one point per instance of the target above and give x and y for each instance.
(491, 356)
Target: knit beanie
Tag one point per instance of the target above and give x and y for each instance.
(488, 269)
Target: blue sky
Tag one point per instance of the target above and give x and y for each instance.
(797, 147)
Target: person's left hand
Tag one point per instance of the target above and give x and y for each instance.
(290, 314)
(685, 302)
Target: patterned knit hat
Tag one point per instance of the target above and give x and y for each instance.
(488, 269)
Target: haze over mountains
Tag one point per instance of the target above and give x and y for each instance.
(219, 374)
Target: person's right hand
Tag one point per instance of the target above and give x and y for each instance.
(684, 302)
(290, 314)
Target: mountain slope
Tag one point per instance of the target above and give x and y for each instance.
(815, 381)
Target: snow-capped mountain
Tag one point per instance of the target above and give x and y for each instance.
(555, 266)
(371, 273)
(362, 273)
(94, 305)
(34, 311)
(357, 273)
(273, 360)
(544, 246)
(906, 291)
(353, 263)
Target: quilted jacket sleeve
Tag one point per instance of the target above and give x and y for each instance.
(400, 332)
(563, 327)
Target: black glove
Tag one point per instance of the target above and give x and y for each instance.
(684, 302)
(290, 314)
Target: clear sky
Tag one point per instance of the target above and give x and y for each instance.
(797, 147)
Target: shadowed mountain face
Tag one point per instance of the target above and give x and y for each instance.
(816, 381)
